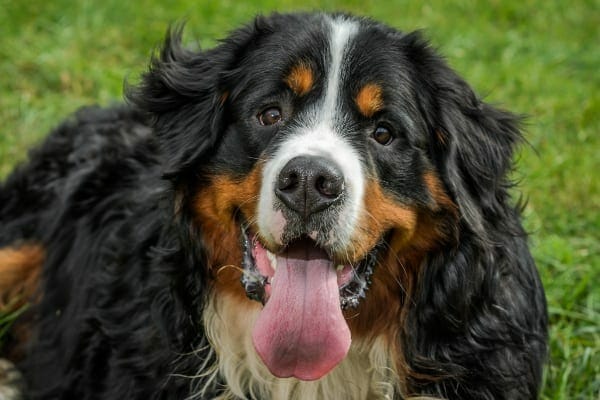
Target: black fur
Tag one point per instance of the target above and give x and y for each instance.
(121, 296)
(108, 194)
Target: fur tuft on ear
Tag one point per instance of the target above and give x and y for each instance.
(184, 92)
(480, 140)
(180, 92)
(471, 142)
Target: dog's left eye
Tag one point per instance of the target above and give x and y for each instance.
(270, 116)
(383, 135)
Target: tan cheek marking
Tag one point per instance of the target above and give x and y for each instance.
(416, 228)
(414, 233)
(20, 269)
(300, 79)
(381, 214)
(214, 208)
(369, 100)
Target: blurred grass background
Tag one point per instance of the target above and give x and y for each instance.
(540, 58)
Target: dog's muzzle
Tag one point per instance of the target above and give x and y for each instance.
(299, 260)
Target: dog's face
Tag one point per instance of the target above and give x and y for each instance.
(322, 162)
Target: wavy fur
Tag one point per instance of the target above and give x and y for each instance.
(129, 308)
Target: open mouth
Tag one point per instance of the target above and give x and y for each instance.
(301, 330)
(260, 265)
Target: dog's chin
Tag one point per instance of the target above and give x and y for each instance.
(301, 331)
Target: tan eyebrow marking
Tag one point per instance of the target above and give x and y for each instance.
(300, 79)
(369, 99)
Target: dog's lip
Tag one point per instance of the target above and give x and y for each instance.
(353, 278)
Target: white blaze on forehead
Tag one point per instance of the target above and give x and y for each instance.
(320, 133)
(341, 35)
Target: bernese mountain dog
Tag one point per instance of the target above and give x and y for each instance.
(316, 208)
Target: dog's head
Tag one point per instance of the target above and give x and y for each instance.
(323, 159)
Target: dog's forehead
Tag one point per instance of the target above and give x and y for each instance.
(314, 55)
(347, 58)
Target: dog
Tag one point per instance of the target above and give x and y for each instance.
(316, 208)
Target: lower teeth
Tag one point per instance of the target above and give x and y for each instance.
(272, 260)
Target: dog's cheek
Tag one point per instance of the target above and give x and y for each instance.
(411, 233)
(216, 212)
(380, 214)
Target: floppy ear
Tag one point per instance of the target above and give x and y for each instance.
(477, 142)
(471, 142)
(467, 311)
(472, 145)
(185, 92)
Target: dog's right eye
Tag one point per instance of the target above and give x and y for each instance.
(270, 116)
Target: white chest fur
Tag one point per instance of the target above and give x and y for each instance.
(366, 373)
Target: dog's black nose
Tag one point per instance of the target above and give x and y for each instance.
(309, 184)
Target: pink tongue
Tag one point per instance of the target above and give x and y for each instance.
(301, 331)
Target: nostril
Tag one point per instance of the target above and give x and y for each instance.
(288, 181)
(329, 186)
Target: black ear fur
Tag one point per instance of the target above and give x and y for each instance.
(185, 91)
(477, 323)
(471, 142)
(479, 142)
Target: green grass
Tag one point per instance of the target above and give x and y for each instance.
(540, 58)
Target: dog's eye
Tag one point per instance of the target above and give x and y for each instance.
(270, 116)
(382, 135)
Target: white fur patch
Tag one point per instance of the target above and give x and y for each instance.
(320, 134)
(342, 32)
(365, 373)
